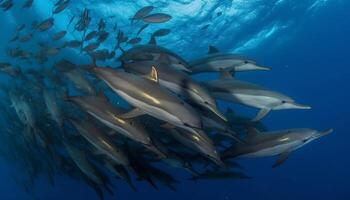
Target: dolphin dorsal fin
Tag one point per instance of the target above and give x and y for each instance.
(212, 50)
(153, 75)
(225, 74)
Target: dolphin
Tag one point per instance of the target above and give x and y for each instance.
(23, 109)
(228, 89)
(76, 75)
(177, 82)
(100, 141)
(52, 106)
(80, 159)
(215, 62)
(102, 110)
(275, 143)
(199, 144)
(148, 97)
(120, 172)
(154, 52)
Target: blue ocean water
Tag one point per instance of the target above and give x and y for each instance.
(305, 43)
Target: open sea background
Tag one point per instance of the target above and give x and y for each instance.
(306, 42)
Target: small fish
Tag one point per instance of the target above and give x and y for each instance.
(91, 47)
(134, 40)
(102, 36)
(6, 5)
(157, 18)
(161, 32)
(90, 35)
(101, 25)
(59, 2)
(9, 69)
(142, 13)
(20, 27)
(59, 35)
(52, 51)
(73, 44)
(45, 25)
(26, 38)
(61, 7)
(15, 37)
(142, 28)
(70, 21)
(102, 54)
(205, 27)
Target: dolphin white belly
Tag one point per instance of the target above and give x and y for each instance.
(245, 99)
(272, 151)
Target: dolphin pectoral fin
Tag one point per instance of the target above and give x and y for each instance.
(281, 159)
(132, 114)
(261, 114)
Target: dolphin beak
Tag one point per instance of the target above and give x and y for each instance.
(251, 66)
(182, 67)
(326, 132)
(263, 68)
(299, 106)
(217, 112)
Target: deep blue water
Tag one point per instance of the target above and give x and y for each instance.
(309, 58)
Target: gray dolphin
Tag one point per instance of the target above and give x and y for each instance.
(215, 62)
(80, 159)
(102, 110)
(199, 144)
(228, 89)
(277, 143)
(154, 52)
(100, 141)
(178, 82)
(52, 106)
(148, 97)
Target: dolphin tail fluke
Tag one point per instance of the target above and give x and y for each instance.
(261, 114)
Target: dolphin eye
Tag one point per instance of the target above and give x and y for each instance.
(283, 101)
(206, 102)
(246, 62)
(305, 140)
